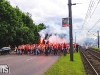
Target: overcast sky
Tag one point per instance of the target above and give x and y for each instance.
(51, 12)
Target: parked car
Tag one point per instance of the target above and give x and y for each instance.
(5, 50)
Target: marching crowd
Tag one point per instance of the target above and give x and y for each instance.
(44, 49)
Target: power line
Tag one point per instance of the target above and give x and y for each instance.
(93, 11)
(92, 5)
(90, 12)
(95, 24)
(92, 33)
(82, 29)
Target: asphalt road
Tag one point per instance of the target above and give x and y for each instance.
(27, 64)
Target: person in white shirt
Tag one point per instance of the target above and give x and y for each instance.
(86, 47)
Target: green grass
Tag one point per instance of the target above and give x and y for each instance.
(66, 67)
(96, 48)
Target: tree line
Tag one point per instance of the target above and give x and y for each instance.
(17, 27)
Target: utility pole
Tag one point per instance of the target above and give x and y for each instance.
(70, 30)
(98, 38)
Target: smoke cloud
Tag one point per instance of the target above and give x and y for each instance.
(54, 33)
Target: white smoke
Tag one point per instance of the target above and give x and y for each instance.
(56, 34)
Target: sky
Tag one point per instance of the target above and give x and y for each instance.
(51, 12)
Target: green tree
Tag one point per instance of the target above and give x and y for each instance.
(17, 27)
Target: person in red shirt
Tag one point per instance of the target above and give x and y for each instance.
(64, 49)
(59, 49)
(26, 49)
(55, 49)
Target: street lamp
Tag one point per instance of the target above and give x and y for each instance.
(70, 29)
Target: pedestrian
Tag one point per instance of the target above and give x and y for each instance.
(15, 49)
(64, 49)
(23, 48)
(55, 49)
(46, 50)
(77, 48)
(59, 49)
(86, 47)
(18, 50)
(31, 49)
(37, 50)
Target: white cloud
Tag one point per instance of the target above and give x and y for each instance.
(51, 12)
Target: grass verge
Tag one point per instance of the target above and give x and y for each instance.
(66, 67)
(96, 48)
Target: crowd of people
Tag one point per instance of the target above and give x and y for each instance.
(44, 49)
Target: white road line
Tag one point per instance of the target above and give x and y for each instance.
(30, 58)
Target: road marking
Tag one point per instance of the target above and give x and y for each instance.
(30, 58)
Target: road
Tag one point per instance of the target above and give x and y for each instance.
(27, 64)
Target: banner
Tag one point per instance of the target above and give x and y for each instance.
(65, 22)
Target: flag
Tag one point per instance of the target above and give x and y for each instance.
(65, 22)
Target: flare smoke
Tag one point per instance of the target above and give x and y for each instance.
(55, 33)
